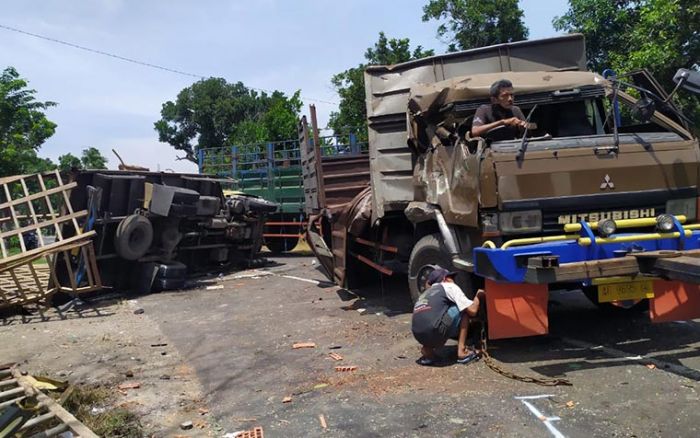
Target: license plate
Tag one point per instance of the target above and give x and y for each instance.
(633, 290)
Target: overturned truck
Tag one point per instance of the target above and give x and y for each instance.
(599, 194)
(152, 229)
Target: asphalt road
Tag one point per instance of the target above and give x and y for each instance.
(630, 377)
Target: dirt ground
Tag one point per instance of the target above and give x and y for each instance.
(103, 342)
(231, 366)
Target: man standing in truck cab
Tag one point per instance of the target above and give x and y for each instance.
(501, 113)
(442, 312)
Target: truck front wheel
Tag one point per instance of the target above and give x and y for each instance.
(428, 252)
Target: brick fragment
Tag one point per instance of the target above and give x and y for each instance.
(346, 368)
(304, 345)
(129, 385)
(335, 356)
(256, 432)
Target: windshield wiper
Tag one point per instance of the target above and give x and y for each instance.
(523, 144)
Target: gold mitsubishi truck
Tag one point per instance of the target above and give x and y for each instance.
(599, 192)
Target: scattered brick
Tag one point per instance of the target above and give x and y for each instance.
(304, 345)
(346, 368)
(129, 385)
(256, 432)
(335, 356)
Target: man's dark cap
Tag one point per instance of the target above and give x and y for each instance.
(439, 275)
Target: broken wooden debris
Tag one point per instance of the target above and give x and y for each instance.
(322, 420)
(304, 345)
(287, 399)
(38, 223)
(48, 418)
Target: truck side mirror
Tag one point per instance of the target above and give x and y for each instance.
(688, 79)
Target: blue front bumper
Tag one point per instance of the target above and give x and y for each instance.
(510, 264)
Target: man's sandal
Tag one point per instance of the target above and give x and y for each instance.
(469, 358)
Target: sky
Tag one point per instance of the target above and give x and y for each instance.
(286, 45)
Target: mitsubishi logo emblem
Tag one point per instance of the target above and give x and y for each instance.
(607, 183)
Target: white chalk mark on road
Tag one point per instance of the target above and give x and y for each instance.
(546, 420)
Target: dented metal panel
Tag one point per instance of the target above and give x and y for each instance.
(387, 90)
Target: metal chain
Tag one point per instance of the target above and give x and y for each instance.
(491, 363)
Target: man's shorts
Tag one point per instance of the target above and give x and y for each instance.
(456, 316)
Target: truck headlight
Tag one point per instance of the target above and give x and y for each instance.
(686, 207)
(520, 222)
(664, 223)
(607, 227)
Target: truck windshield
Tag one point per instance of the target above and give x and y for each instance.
(583, 118)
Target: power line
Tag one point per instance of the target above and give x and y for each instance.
(135, 61)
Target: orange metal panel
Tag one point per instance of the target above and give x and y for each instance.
(674, 301)
(516, 310)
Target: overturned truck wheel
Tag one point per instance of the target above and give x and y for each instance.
(133, 237)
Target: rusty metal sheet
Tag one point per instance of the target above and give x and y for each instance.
(387, 90)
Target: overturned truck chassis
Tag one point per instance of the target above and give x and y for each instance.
(152, 228)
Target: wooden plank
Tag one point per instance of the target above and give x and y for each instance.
(14, 218)
(58, 220)
(18, 259)
(683, 268)
(583, 270)
(68, 205)
(48, 202)
(44, 193)
(31, 210)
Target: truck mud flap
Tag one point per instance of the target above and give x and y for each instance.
(516, 310)
(321, 251)
(674, 301)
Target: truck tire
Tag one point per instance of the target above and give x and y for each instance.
(133, 237)
(429, 252)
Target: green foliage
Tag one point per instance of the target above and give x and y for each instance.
(90, 159)
(626, 35)
(350, 84)
(93, 159)
(213, 113)
(23, 126)
(69, 161)
(468, 24)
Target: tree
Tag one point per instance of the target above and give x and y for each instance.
(23, 126)
(625, 35)
(467, 24)
(93, 159)
(69, 161)
(213, 113)
(350, 84)
(90, 159)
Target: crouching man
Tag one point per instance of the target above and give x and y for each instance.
(442, 312)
